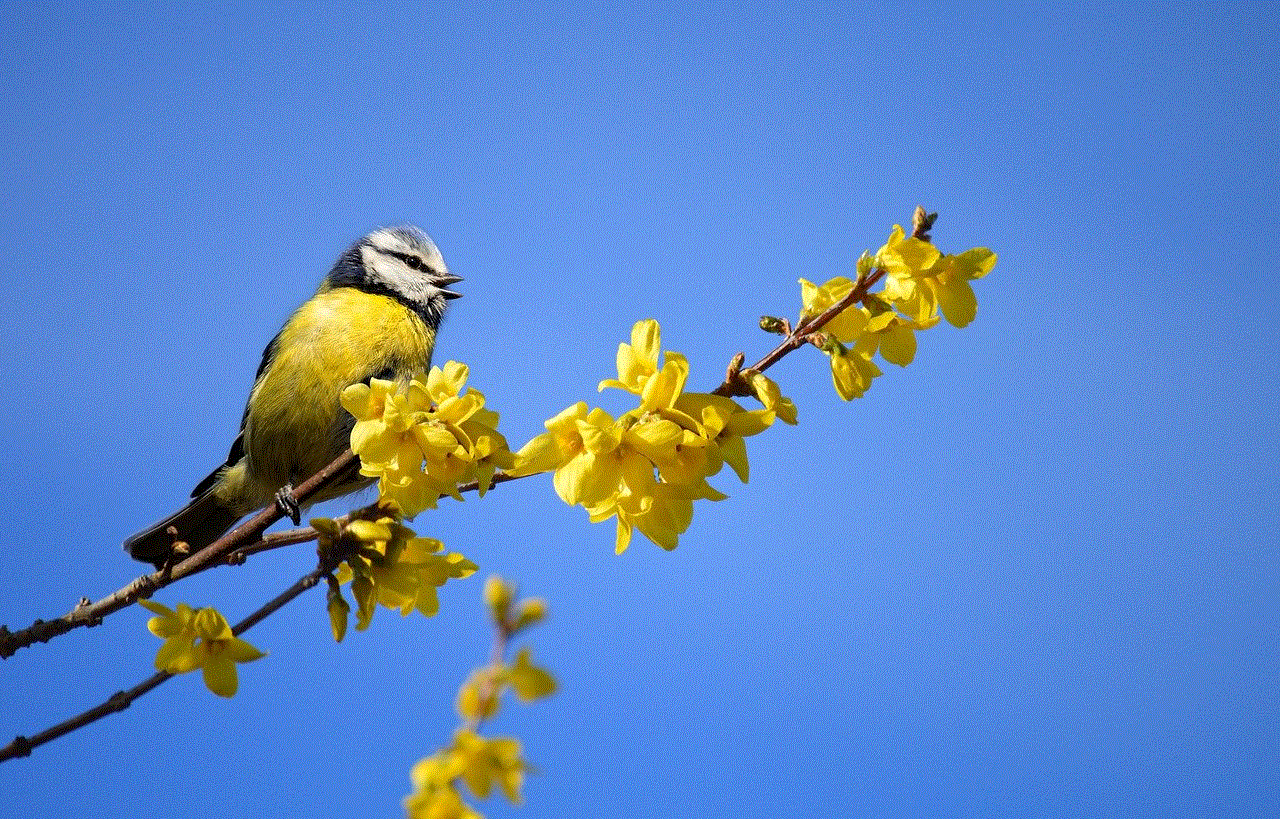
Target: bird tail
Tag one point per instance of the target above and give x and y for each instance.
(199, 523)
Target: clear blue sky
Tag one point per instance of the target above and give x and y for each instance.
(1034, 574)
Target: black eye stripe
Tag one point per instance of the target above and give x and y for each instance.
(409, 259)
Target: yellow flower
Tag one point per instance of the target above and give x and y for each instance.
(390, 565)
(770, 394)
(438, 803)
(661, 512)
(906, 257)
(954, 294)
(891, 334)
(851, 371)
(446, 382)
(530, 682)
(637, 361)
(426, 439)
(724, 424)
(586, 450)
(552, 449)
(483, 762)
(384, 418)
(478, 697)
(921, 282)
(815, 299)
(647, 467)
(199, 638)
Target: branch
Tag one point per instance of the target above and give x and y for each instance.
(804, 330)
(247, 539)
(119, 701)
(230, 548)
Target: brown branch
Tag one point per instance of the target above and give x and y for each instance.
(804, 330)
(247, 538)
(119, 701)
(800, 335)
(220, 552)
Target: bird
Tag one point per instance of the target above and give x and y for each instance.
(375, 315)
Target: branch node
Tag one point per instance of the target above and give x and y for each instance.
(119, 701)
(146, 585)
(21, 746)
(734, 382)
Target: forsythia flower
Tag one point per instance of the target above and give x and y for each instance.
(649, 465)
(637, 361)
(921, 282)
(387, 564)
(425, 439)
(530, 682)
(846, 325)
(478, 762)
(479, 697)
(440, 802)
(199, 638)
(482, 763)
(851, 371)
(921, 286)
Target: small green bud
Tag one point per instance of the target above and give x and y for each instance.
(866, 263)
(773, 324)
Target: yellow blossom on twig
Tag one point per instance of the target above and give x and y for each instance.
(199, 638)
(422, 440)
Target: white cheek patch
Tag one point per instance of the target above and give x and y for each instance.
(394, 274)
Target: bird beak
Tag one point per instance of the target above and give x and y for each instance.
(446, 280)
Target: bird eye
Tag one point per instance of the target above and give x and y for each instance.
(414, 262)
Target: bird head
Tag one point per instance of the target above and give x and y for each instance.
(401, 262)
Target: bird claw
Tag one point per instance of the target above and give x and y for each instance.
(287, 505)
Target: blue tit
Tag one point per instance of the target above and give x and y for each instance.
(374, 316)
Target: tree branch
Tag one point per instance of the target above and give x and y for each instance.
(220, 552)
(119, 701)
(247, 539)
(921, 223)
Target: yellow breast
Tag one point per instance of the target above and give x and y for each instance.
(294, 424)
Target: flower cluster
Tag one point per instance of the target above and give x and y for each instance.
(424, 440)
(647, 466)
(479, 762)
(476, 761)
(199, 638)
(479, 696)
(921, 286)
(386, 563)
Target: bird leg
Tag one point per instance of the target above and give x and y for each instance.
(287, 505)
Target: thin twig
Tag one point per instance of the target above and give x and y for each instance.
(801, 333)
(215, 554)
(119, 701)
(921, 223)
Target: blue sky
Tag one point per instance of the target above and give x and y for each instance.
(1034, 574)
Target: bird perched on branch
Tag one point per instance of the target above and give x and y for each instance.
(374, 316)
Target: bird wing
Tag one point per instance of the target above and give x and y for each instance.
(237, 446)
